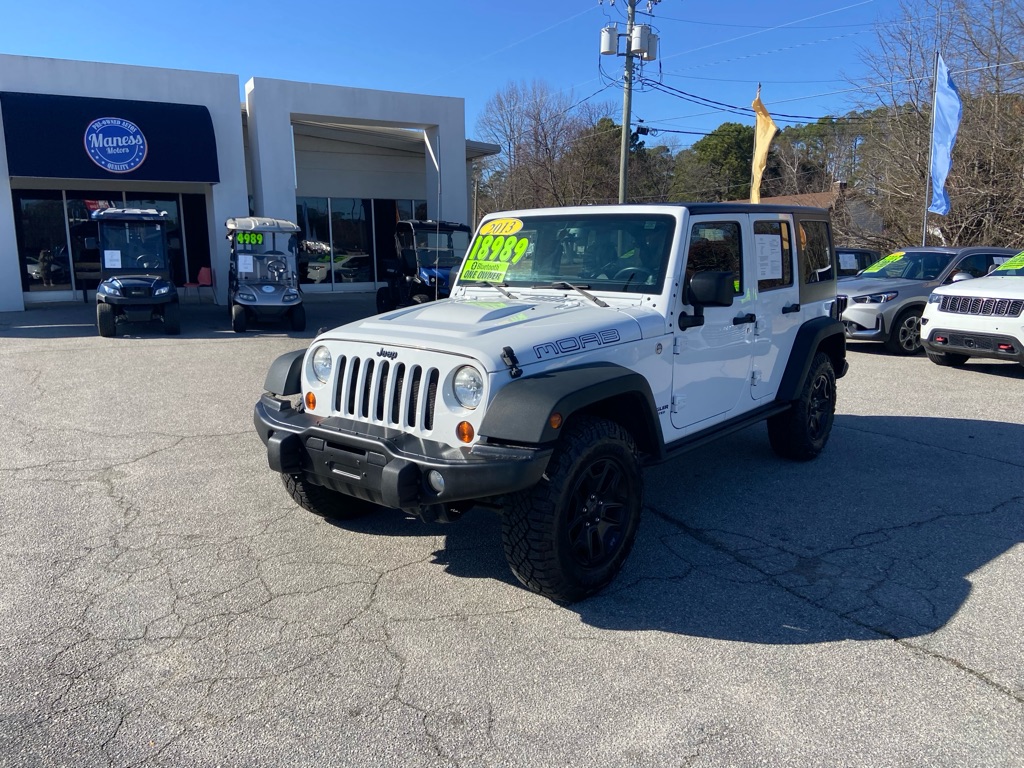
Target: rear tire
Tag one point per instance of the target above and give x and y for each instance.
(802, 432)
(905, 337)
(949, 359)
(421, 298)
(568, 536)
(238, 318)
(323, 501)
(298, 318)
(105, 321)
(172, 319)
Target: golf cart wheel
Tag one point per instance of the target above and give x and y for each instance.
(238, 318)
(298, 318)
(105, 321)
(420, 298)
(172, 319)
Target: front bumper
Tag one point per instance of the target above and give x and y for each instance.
(387, 466)
(865, 322)
(974, 344)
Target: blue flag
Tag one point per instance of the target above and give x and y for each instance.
(945, 123)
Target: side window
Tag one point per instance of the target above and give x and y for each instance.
(716, 246)
(976, 265)
(815, 251)
(774, 255)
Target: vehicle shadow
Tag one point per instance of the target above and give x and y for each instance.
(199, 320)
(878, 537)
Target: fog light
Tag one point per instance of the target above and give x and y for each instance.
(436, 480)
(310, 401)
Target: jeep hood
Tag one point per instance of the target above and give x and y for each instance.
(536, 328)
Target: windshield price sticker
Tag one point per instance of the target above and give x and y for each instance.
(484, 271)
(490, 256)
(1017, 262)
(878, 266)
(501, 227)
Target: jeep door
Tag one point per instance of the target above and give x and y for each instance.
(711, 370)
(778, 301)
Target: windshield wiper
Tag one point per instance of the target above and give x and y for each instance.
(580, 291)
(499, 287)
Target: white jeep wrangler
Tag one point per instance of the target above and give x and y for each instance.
(578, 346)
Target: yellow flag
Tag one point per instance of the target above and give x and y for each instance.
(764, 130)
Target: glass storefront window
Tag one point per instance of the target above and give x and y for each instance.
(42, 241)
(85, 255)
(351, 240)
(420, 209)
(314, 257)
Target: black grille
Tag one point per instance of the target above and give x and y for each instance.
(968, 305)
(386, 392)
(137, 292)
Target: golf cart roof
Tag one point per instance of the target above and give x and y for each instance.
(260, 224)
(129, 214)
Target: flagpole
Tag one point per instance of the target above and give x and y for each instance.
(931, 153)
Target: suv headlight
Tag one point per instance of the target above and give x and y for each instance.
(934, 298)
(876, 298)
(468, 386)
(322, 364)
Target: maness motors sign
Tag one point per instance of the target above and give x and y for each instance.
(115, 144)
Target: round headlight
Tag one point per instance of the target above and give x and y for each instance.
(468, 386)
(322, 364)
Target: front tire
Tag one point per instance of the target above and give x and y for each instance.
(238, 318)
(568, 536)
(905, 337)
(949, 359)
(802, 432)
(298, 318)
(105, 321)
(323, 501)
(172, 319)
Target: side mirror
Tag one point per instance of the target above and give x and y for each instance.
(962, 276)
(711, 289)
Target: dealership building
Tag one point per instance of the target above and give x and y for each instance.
(343, 163)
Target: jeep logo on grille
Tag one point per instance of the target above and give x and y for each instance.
(388, 353)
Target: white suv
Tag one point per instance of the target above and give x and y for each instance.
(977, 318)
(578, 346)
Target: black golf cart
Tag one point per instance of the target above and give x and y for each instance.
(135, 272)
(426, 252)
(262, 283)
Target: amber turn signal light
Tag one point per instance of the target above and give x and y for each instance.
(555, 420)
(464, 431)
(310, 401)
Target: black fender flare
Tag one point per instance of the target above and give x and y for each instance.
(824, 333)
(285, 374)
(521, 411)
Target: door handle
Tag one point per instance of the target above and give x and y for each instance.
(750, 317)
(790, 308)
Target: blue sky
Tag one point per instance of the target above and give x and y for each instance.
(801, 51)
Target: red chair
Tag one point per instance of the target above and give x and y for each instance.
(203, 280)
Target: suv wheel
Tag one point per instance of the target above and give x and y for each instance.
(951, 359)
(323, 501)
(801, 432)
(105, 322)
(238, 318)
(905, 338)
(568, 536)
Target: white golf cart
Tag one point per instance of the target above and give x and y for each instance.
(262, 282)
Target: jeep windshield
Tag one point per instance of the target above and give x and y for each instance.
(908, 265)
(607, 252)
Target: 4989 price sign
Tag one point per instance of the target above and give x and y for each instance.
(495, 248)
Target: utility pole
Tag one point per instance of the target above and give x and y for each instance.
(627, 100)
(642, 42)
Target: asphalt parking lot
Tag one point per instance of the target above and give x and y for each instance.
(165, 603)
